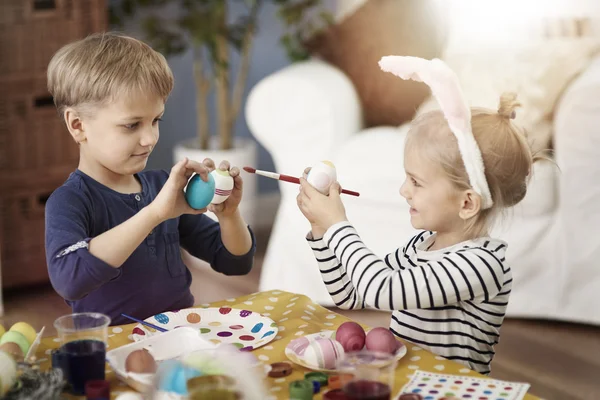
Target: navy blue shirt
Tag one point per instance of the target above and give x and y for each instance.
(154, 278)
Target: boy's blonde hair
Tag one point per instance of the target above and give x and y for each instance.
(507, 156)
(97, 69)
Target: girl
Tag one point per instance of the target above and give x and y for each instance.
(449, 285)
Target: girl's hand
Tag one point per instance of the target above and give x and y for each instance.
(170, 201)
(321, 210)
(230, 206)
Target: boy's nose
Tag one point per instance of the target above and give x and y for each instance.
(149, 138)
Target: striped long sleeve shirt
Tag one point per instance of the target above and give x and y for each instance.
(451, 301)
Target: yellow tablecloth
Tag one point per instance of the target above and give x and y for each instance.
(296, 315)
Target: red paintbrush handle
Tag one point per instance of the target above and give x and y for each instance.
(288, 178)
(293, 179)
(350, 192)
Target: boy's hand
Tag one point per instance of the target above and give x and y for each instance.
(230, 206)
(322, 211)
(170, 201)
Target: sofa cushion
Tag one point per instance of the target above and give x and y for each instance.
(379, 28)
(538, 71)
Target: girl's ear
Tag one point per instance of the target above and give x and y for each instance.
(74, 125)
(470, 204)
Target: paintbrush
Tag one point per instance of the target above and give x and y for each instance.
(288, 178)
(148, 324)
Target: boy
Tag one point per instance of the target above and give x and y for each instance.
(113, 232)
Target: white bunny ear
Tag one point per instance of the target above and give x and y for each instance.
(445, 87)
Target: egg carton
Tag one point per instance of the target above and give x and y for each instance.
(169, 345)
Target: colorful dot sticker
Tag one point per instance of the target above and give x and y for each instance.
(467, 388)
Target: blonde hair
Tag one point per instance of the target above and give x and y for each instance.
(97, 69)
(506, 153)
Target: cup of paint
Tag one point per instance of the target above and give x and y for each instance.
(82, 354)
(372, 374)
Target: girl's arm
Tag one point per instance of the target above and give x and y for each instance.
(334, 275)
(464, 275)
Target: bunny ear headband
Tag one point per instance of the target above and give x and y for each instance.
(446, 89)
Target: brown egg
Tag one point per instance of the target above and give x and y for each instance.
(13, 349)
(141, 362)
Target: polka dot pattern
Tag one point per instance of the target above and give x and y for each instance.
(298, 316)
(434, 385)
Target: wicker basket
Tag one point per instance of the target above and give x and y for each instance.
(36, 151)
(31, 31)
(34, 141)
(22, 239)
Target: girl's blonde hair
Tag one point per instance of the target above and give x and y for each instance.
(506, 153)
(102, 66)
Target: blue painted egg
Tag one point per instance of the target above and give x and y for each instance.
(199, 193)
(174, 376)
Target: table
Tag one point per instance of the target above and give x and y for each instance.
(296, 315)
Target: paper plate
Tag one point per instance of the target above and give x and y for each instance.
(244, 329)
(294, 351)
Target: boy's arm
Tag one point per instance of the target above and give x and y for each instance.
(78, 264)
(229, 247)
(459, 276)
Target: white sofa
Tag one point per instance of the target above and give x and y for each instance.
(310, 111)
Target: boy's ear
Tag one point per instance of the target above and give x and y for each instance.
(74, 125)
(470, 204)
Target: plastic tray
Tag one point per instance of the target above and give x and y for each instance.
(166, 346)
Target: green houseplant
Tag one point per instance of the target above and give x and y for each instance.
(206, 27)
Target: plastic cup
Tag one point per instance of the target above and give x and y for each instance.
(82, 354)
(373, 375)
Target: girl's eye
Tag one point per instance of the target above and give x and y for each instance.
(131, 126)
(414, 182)
(156, 121)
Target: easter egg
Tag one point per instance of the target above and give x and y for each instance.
(198, 193)
(141, 362)
(130, 396)
(26, 330)
(323, 353)
(322, 175)
(8, 372)
(174, 376)
(223, 186)
(382, 340)
(351, 336)
(16, 337)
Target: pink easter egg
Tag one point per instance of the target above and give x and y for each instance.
(323, 353)
(351, 336)
(381, 339)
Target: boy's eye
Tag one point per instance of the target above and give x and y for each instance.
(414, 182)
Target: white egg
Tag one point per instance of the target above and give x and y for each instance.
(322, 175)
(223, 186)
(130, 396)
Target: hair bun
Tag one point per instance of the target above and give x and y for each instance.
(508, 105)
